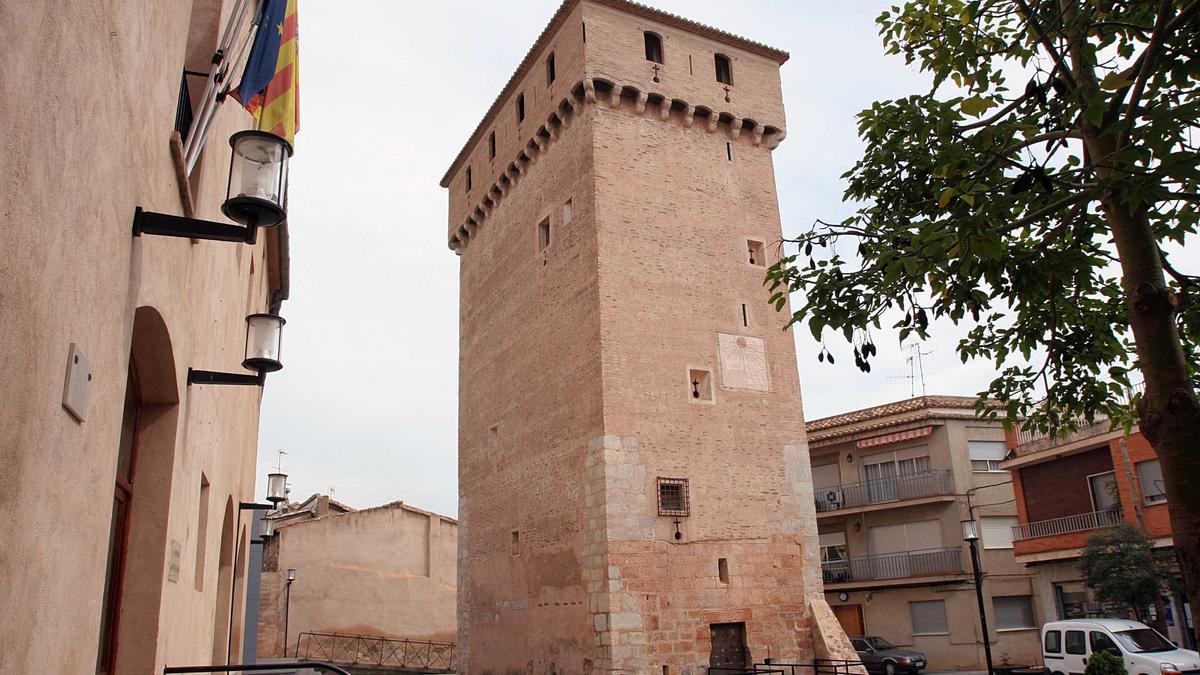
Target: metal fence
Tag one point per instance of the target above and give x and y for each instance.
(376, 651)
(1081, 522)
(817, 667)
(894, 565)
(881, 490)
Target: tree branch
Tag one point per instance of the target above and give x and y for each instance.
(1048, 209)
(1148, 57)
(1036, 26)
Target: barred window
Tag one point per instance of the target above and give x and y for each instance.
(673, 497)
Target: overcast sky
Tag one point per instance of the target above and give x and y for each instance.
(366, 405)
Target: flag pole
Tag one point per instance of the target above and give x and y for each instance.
(210, 82)
(219, 71)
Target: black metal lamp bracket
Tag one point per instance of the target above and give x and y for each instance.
(212, 377)
(163, 224)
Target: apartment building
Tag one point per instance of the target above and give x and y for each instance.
(891, 485)
(1071, 486)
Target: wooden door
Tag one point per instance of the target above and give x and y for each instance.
(851, 618)
(118, 535)
(728, 646)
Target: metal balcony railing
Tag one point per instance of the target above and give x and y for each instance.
(925, 484)
(1081, 522)
(363, 650)
(894, 566)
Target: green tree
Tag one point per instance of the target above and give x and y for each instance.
(1123, 568)
(1030, 194)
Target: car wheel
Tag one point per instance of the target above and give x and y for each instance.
(889, 668)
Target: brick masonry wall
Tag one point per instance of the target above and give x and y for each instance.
(575, 392)
(1060, 488)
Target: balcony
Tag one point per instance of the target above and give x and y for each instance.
(933, 562)
(1081, 522)
(884, 490)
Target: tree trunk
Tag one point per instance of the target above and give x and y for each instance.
(1169, 414)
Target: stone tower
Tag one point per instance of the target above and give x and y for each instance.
(634, 482)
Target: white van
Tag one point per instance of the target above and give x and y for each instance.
(1067, 646)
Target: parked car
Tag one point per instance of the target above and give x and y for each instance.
(1067, 646)
(880, 656)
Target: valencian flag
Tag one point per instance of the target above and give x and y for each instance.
(270, 87)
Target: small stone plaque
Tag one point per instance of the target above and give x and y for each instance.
(79, 380)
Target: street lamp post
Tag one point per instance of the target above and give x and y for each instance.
(971, 536)
(287, 606)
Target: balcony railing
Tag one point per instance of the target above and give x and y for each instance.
(1081, 522)
(884, 490)
(1083, 428)
(894, 566)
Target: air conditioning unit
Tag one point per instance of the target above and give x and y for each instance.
(832, 498)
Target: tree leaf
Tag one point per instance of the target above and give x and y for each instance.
(1114, 81)
(976, 105)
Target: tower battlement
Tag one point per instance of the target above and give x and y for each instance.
(634, 484)
(534, 107)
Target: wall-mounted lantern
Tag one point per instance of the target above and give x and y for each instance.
(264, 335)
(276, 488)
(266, 527)
(254, 195)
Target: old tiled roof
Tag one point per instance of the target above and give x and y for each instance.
(633, 8)
(858, 417)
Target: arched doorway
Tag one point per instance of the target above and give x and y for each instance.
(142, 487)
(118, 540)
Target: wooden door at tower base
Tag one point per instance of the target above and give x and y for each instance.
(851, 618)
(728, 646)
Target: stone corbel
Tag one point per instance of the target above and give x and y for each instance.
(713, 120)
(640, 106)
(758, 132)
(589, 90)
(615, 101)
(775, 139)
(689, 115)
(735, 128)
(664, 110)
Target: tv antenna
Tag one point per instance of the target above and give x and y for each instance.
(916, 367)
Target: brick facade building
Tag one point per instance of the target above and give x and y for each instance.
(633, 473)
(1068, 488)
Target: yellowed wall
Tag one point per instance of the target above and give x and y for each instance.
(387, 572)
(87, 105)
